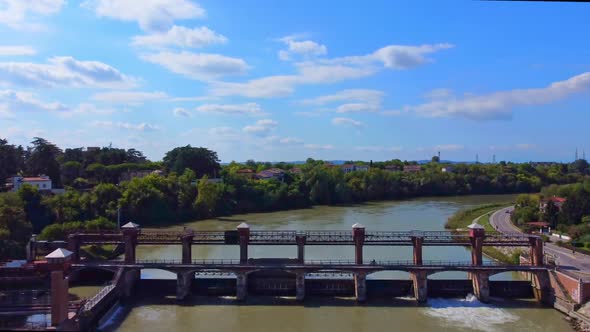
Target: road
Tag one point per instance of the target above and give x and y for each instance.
(577, 264)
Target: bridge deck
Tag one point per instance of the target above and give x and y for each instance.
(312, 265)
(372, 238)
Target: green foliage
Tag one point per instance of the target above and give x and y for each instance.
(59, 231)
(202, 161)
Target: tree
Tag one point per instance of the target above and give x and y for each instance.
(42, 159)
(35, 211)
(435, 159)
(11, 159)
(202, 161)
(551, 214)
(207, 197)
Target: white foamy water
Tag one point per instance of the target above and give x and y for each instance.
(469, 313)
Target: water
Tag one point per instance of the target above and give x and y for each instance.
(320, 314)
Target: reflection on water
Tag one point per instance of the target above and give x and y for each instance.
(215, 314)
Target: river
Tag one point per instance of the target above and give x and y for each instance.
(319, 314)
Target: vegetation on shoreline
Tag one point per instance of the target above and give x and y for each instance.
(465, 217)
(191, 184)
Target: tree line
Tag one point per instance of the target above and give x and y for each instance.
(183, 188)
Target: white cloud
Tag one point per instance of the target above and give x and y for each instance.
(366, 95)
(379, 148)
(25, 14)
(397, 57)
(263, 126)
(181, 36)
(13, 50)
(199, 66)
(440, 93)
(86, 108)
(232, 109)
(14, 101)
(187, 99)
(499, 105)
(448, 147)
(181, 112)
(306, 48)
(324, 71)
(307, 114)
(347, 122)
(151, 15)
(357, 107)
(319, 146)
(125, 125)
(63, 71)
(284, 85)
(291, 140)
(129, 97)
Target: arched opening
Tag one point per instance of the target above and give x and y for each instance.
(449, 284)
(272, 282)
(389, 284)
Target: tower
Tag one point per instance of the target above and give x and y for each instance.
(576, 154)
(493, 159)
(477, 158)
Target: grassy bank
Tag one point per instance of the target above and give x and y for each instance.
(465, 217)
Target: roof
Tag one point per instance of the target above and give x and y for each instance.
(130, 225)
(348, 166)
(475, 225)
(557, 199)
(36, 179)
(538, 223)
(60, 253)
(243, 225)
(358, 225)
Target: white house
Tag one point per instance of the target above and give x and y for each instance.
(41, 182)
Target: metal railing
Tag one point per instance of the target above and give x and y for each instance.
(91, 302)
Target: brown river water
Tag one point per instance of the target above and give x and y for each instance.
(334, 314)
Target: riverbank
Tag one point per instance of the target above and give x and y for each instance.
(481, 214)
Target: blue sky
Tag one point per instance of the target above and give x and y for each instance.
(287, 80)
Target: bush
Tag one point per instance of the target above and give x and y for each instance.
(60, 231)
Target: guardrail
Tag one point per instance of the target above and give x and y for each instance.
(91, 302)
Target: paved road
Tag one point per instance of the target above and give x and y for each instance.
(578, 264)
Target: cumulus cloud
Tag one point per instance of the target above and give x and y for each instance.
(499, 105)
(199, 66)
(25, 14)
(129, 97)
(14, 101)
(13, 50)
(181, 112)
(305, 48)
(63, 71)
(263, 126)
(347, 122)
(252, 109)
(125, 125)
(181, 36)
(151, 15)
(323, 71)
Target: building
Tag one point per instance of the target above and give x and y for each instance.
(412, 168)
(557, 201)
(271, 173)
(347, 168)
(41, 182)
